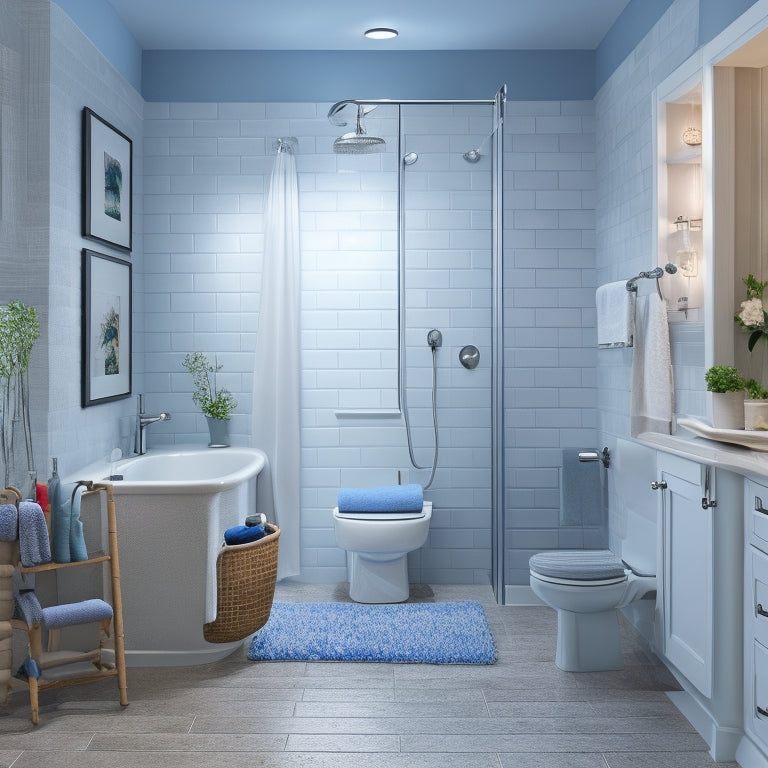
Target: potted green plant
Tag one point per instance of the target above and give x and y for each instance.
(19, 330)
(216, 403)
(727, 386)
(756, 406)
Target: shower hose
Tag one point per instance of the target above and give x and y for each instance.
(415, 464)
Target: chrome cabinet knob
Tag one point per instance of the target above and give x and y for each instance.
(658, 485)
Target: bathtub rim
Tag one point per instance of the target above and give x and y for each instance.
(100, 471)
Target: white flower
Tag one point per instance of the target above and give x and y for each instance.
(752, 313)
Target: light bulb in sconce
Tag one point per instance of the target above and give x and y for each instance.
(688, 263)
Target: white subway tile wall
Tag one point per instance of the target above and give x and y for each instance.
(208, 168)
(624, 232)
(80, 76)
(549, 320)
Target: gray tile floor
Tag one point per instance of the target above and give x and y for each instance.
(522, 712)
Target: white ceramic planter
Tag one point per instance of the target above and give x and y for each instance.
(756, 414)
(728, 410)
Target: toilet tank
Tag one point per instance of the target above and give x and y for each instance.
(634, 505)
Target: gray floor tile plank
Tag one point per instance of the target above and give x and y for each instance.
(522, 712)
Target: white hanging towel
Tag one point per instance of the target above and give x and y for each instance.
(653, 392)
(615, 315)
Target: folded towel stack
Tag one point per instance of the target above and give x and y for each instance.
(383, 499)
(34, 546)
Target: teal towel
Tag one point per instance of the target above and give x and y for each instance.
(387, 498)
(581, 491)
(61, 520)
(77, 550)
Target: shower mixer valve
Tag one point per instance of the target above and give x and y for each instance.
(435, 338)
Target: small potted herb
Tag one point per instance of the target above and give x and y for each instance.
(216, 403)
(727, 386)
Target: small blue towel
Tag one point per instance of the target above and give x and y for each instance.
(34, 546)
(387, 498)
(76, 613)
(9, 522)
(28, 607)
(244, 534)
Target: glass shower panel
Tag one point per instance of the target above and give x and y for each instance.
(447, 239)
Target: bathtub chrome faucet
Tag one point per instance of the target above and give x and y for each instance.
(142, 422)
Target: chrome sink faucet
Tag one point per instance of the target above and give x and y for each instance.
(142, 422)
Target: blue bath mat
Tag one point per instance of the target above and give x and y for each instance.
(428, 633)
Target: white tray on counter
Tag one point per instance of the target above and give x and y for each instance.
(757, 440)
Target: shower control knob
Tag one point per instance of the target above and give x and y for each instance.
(658, 485)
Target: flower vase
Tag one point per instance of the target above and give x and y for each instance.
(219, 432)
(756, 415)
(728, 410)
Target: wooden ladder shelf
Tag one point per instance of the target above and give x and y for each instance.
(99, 657)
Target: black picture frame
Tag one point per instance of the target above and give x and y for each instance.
(107, 183)
(106, 328)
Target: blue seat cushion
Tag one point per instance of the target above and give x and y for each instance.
(579, 564)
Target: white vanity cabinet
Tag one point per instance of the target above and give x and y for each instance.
(756, 612)
(687, 545)
(702, 556)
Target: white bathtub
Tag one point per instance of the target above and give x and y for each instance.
(173, 506)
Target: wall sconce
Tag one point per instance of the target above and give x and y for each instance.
(685, 255)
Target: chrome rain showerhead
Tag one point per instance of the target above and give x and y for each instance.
(358, 142)
(472, 156)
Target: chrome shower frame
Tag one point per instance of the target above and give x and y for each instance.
(336, 117)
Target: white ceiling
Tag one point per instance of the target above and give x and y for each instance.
(339, 24)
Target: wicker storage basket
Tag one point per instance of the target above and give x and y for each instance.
(245, 576)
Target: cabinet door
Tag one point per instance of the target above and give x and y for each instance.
(688, 559)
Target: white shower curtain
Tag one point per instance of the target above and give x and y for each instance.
(275, 426)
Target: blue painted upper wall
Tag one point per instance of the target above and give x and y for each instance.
(628, 30)
(99, 22)
(333, 75)
(716, 15)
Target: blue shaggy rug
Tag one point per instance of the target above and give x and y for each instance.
(427, 633)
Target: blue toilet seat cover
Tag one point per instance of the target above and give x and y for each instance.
(580, 564)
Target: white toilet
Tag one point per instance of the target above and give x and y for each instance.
(587, 587)
(378, 546)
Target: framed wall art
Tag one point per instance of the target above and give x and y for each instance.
(106, 320)
(107, 182)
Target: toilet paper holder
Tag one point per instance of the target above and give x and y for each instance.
(604, 456)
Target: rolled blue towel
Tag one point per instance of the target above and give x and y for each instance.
(387, 498)
(9, 522)
(34, 545)
(244, 534)
(66, 614)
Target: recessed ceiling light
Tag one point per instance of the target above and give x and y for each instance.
(381, 33)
